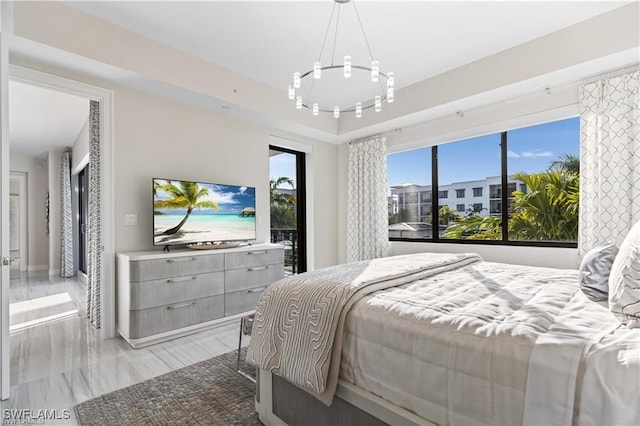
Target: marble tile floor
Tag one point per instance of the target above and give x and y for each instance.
(59, 363)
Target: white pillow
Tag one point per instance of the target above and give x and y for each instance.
(624, 280)
(593, 274)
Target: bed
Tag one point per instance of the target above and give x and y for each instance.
(448, 339)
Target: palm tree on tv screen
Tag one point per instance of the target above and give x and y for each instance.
(185, 196)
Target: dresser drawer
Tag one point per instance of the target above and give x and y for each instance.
(147, 270)
(241, 301)
(148, 294)
(251, 277)
(255, 257)
(148, 322)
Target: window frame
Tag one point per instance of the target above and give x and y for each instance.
(504, 214)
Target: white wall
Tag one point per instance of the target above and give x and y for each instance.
(156, 137)
(37, 178)
(80, 149)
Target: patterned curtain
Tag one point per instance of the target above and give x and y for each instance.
(609, 159)
(66, 235)
(94, 255)
(367, 217)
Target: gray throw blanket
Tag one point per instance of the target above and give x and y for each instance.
(299, 321)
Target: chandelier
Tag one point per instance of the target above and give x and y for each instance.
(347, 77)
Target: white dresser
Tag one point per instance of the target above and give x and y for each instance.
(162, 296)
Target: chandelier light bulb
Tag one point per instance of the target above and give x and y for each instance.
(316, 109)
(317, 70)
(390, 80)
(296, 80)
(292, 92)
(378, 103)
(375, 71)
(336, 111)
(358, 109)
(347, 66)
(390, 95)
(299, 102)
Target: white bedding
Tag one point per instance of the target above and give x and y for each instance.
(494, 344)
(299, 321)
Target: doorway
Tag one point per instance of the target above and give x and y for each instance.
(287, 199)
(104, 98)
(83, 218)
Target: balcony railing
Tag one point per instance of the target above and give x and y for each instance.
(288, 238)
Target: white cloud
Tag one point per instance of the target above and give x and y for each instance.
(513, 154)
(536, 154)
(243, 189)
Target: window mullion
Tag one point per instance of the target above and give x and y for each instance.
(435, 202)
(505, 186)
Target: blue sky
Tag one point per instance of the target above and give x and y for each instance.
(282, 165)
(530, 149)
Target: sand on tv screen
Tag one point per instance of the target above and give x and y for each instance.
(186, 212)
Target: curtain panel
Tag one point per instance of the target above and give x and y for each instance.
(66, 235)
(367, 211)
(609, 159)
(94, 253)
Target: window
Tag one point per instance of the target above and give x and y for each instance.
(544, 161)
(287, 205)
(515, 167)
(409, 195)
(470, 163)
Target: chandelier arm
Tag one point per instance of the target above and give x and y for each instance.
(326, 33)
(335, 36)
(364, 35)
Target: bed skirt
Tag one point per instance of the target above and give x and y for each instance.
(279, 403)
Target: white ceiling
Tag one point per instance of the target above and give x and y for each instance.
(269, 40)
(41, 119)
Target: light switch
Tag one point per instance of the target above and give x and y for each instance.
(131, 219)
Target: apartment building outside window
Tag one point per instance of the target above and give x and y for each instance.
(477, 170)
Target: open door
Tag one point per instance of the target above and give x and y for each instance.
(6, 31)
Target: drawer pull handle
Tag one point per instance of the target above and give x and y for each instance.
(182, 259)
(177, 280)
(258, 252)
(259, 268)
(256, 290)
(182, 305)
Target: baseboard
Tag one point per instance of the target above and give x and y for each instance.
(36, 268)
(82, 277)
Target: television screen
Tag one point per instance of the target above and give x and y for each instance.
(186, 212)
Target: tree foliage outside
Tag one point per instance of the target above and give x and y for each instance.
(184, 196)
(548, 211)
(282, 205)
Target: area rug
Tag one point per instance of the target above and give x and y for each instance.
(210, 392)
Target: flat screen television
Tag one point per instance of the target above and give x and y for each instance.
(190, 213)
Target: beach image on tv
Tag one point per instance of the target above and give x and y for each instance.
(192, 212)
